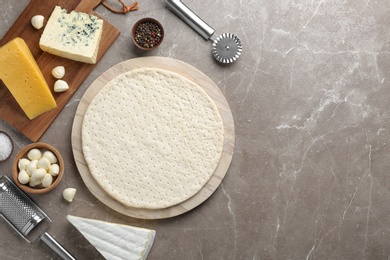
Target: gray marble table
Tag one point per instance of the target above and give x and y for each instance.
(310, 176)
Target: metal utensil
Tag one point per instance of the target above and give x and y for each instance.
(26, 218)
(226, 48)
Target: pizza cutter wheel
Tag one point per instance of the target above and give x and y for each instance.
(226, 47)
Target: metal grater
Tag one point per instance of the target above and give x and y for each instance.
(28, 220)
(17, 209)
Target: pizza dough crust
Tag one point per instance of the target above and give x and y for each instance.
(152, 138)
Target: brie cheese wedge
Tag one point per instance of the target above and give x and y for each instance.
(115, 241)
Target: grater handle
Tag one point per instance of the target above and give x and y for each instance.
(56, 247)
(191, 18)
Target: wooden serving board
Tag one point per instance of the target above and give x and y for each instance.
(76, 72)
(192, 74)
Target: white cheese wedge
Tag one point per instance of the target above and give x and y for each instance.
(115, 241)
(74, 36)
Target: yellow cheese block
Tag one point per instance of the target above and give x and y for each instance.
(22, 76)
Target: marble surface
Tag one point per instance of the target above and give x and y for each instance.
(310, 97)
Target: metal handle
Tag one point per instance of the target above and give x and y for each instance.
(56, 247)
(191, 18)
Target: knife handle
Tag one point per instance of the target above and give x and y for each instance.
(191, 18)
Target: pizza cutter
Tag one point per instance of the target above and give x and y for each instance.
(226, 47)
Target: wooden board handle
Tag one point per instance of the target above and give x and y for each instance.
(87, 6)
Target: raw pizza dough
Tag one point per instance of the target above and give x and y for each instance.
(152, 138)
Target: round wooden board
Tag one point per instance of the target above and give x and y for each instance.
(192, 74)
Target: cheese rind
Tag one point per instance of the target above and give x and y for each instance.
(74, 36)
(24, 79)
(115, 241)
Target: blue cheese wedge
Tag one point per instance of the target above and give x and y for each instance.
(115, 241)
(75, 36)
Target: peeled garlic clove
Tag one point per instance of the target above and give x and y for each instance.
(31, 167)
(22, 163)
(33, 182)
(43, 163)
(47, 180)
(58, 72)
(34, 154)
(23, 177)
(54, 169)
(51, 156)
(60, 86)
(37, 21)
(38, 175)
(69, 194)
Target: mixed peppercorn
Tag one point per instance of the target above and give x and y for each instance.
(148, 34)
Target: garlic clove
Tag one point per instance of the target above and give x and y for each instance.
(58, 72)
(60, 86)
(54, 169)
(23, 177)
(47, 180)
(38, 175)
(31, 167)
(43, 163)
(69, 194)
(34, 182)
(51, 156)
(34, 154)
(22, 163)
(37, 21)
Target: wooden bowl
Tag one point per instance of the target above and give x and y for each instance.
(146, 22)
(23, 154)
(12, 146)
